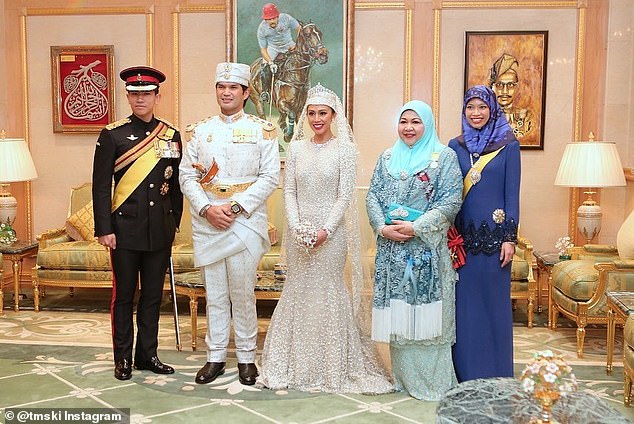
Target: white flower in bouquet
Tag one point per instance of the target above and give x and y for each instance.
(563, 244)
(548, 371)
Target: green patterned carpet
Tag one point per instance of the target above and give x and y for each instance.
(60, 358)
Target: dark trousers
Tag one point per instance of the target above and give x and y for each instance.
(127, 266)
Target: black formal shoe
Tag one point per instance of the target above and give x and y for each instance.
(247, 373)
(155, 365)
(210, 372)
(123, 369)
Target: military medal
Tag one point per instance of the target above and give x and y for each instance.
(475, 176)
(169, 171)
(434, 160)
(474, 173)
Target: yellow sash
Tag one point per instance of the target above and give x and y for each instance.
(479, 166)
(141, 167)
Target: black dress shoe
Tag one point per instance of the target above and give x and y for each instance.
(247, 373)
(210, 372)
(123, 369)
(155, 365)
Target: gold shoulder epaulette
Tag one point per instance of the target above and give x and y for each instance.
(168, 123)
(116, 124)
(269, 132)
(191, 127)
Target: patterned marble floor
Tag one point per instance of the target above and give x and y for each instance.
(62, 358)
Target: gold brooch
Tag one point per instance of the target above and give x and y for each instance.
(499, 216)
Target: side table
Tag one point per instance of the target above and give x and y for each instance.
(16, 252)
(502, 400)
(620, 305)
(545, 262)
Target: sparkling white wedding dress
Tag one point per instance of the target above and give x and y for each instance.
(313, 342)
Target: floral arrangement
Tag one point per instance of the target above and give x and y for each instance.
(7, 234)
(548, 372)
(563, 244)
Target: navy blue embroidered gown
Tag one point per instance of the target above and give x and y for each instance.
(484, 322)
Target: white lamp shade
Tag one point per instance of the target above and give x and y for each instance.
(590, 164)
(16, 163)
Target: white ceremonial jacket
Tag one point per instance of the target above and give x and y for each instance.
(246, 150)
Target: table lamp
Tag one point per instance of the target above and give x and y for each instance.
(590, 164)
(16, 165)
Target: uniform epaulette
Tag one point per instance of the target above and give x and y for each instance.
(166, 122)
(191, 127)
(116, 124)
(269, 132)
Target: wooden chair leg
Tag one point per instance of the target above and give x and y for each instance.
(193, 317)
(555, 317)
(529, 310)
(627, 390)
(581, 335)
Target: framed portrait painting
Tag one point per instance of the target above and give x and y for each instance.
(83, 88)
(290, 45)
(513, 64)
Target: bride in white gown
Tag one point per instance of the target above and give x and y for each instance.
(314, 341)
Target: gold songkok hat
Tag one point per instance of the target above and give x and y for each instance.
(320, 95)
(233, 72)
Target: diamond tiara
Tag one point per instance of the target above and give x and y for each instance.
(320, 95)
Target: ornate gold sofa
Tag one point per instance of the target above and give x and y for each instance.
(578, 286)
(71, 257)
(628, 359)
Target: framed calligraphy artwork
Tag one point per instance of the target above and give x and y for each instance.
(513, 64)
(291, 46)
(83, 88)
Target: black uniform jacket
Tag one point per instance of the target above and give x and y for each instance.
(147, 220)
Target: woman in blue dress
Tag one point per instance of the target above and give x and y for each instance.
(489, 156)
(416, 187)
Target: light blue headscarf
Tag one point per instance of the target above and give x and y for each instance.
(414, 159)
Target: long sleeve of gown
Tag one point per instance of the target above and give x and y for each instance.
(376, 213)
(347, 185)
(512, 186)
(290, 189)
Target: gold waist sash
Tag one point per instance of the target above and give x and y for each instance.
(224, 191)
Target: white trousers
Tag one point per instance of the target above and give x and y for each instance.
(230, 286)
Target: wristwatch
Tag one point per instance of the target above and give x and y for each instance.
(203, 211)
(235, 207)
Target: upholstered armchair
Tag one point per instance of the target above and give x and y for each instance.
(628, 359)
(71, 257)
(578, 286)
(523, 284)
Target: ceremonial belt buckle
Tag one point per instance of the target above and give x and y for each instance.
(224, 191)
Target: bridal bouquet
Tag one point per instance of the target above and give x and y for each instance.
(306, 235)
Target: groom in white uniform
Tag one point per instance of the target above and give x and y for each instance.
(229, 168)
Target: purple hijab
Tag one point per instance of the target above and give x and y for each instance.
(496, 132)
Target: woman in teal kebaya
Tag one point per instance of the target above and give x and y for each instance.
(413, 305)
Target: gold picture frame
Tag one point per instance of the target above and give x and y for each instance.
(329, 28)
(513, 64)
(83, 88)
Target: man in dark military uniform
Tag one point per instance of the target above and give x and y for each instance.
(138, 220)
